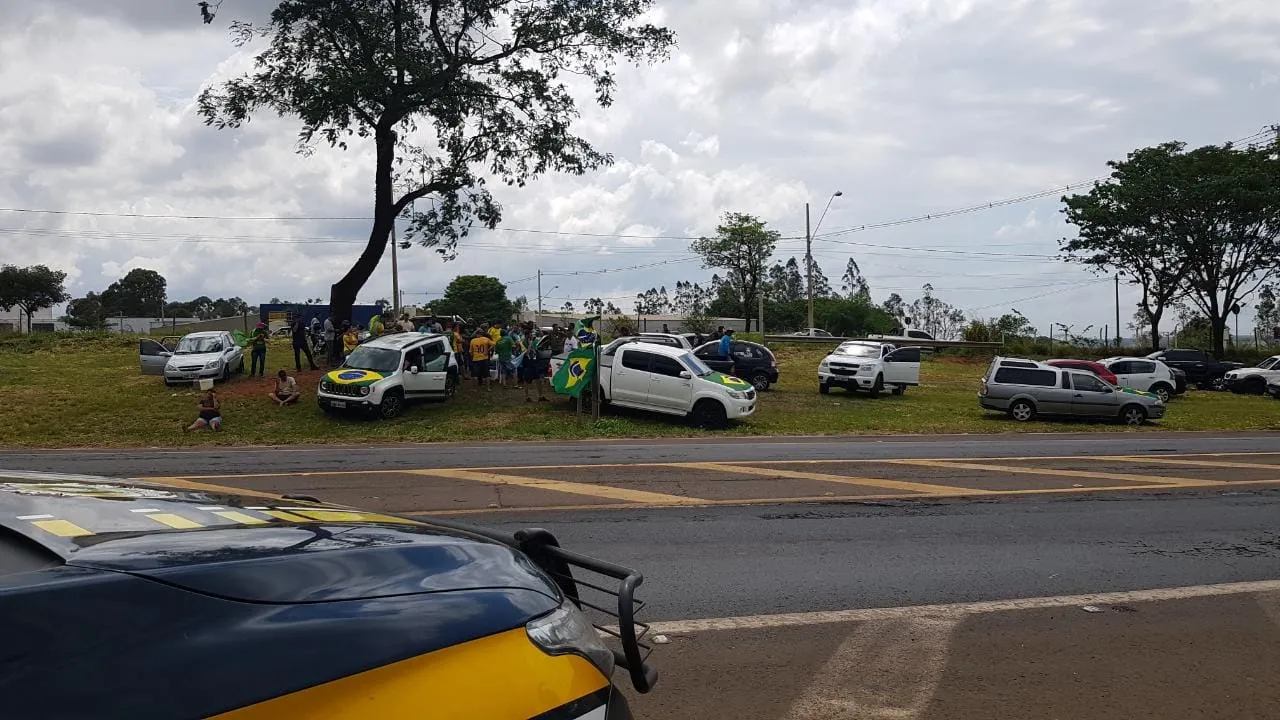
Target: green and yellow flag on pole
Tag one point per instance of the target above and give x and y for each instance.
(585, 332)
(577, 373)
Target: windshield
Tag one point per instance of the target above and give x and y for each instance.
(1266, 364)
(379, 360)
(862, 351)
(696, 366)
(197, 345)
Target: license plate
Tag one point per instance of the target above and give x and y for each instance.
(337, 403)
(190, 376)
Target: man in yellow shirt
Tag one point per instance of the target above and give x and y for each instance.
(495, 332)
(481, 349)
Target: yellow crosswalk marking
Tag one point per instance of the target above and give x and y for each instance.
(239, 517)
(174, 521)
(1188, 463)
(1052, 472)
(61, 528)
(925, 488)
(604, 491)
(285, 516)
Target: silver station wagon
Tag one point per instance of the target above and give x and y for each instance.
(1025, 389)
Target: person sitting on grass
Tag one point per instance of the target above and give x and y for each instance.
(210, 413)
(286, 392)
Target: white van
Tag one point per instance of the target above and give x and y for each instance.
(870, 366)
(380, 376)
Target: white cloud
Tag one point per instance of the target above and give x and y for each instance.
(908, 106)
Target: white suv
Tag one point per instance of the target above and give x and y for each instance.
(1143, 374)
(380, 376)
(870, 366)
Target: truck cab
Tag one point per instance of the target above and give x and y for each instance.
(673, 381)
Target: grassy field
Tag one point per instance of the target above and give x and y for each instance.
(88, 393)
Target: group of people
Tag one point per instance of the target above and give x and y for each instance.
(512, 354)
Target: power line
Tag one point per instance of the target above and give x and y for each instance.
(1041, 295)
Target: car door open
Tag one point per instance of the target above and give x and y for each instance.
(902, 367)
(152, 356)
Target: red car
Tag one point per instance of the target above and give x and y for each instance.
(1089, 366)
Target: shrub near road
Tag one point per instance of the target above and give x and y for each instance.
(87, 392)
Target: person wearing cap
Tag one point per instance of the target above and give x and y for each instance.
(725, 348)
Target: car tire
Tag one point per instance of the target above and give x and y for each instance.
(1022, 411)
(760, 382)
(226, 374)
(823, 388)
(900, 390)
(1162, 391)
(1218, 383)
(391, 406)
(240, 369)
(709, 414)
(1133, 415)
(1255, 386)
(877, 387)
(451, 386)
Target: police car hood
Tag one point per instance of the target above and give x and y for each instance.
(252, 547)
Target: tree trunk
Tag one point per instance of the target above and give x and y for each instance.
(1155, 328)
(342, 294)
(1219, 341)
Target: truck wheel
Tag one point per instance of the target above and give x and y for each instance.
(760, 381)
(1162, 391)
(877, 387)
(1255, 386)
(450, 386)
(900, 390)
(1218, 383)
(709, 414)
(823, 388)
(1022, 411)
(392, 405)
(1133, 415)
(226, 373)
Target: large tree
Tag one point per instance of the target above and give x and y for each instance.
(445, 91)
(935, 316)
(786, 282)
(140, 293)
(853, 284)
(31, 288)
(741, 247)
(478, 297)
(1202, 224)
(1126, 226)
(86, 313)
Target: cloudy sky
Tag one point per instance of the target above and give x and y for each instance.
(910, 107)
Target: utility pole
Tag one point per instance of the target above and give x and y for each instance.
(395, 273)
(539, 320)
(808, 262)
(1118, 311)
(761, 301)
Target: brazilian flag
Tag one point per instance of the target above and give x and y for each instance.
(577, 373)
(584, 330)
(729, 381)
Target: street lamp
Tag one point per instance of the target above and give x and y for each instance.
(808, 246)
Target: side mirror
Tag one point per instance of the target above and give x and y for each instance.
(686, 375)
(166, 353)
(413, 370)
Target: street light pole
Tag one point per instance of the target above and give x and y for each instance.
(808, 264)
(808, 246)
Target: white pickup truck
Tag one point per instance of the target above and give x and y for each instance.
(686, 341)
(675, 382)
(870, 366)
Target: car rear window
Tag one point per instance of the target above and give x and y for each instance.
(1026, 376)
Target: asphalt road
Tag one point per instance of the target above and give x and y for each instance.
(731, 561)
(211, 460)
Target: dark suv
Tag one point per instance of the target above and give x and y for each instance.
(752, 362)
(1201, 368)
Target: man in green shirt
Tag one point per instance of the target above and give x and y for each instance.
(258, 350)
(504, 349)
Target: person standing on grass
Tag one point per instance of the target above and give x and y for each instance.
(533, 369)
(459, 354)
(258, 350)
(481, 349)
(210, 413)
(286, 392)
(332, 343)
(504, 349)
(301, 345)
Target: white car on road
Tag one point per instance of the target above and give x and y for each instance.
(870, 366)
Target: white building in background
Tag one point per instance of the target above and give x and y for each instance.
(13, 320)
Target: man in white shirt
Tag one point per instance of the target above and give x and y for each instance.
(286, 392)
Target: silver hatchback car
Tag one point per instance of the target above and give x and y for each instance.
(1026, 388)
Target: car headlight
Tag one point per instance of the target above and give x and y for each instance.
(364, 390)
(737, 395)
(212, 364)
(564, 631)
(823, 365)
